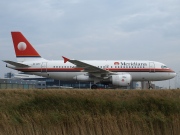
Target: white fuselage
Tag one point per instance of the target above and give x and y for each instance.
(139, 70)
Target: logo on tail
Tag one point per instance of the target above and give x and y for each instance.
(22, 46)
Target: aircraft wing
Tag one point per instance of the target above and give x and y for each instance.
(16, 64)
(93, 70)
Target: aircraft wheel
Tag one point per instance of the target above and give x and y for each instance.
(93, 86)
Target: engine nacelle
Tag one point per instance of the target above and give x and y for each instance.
(82, 78)
(121, 80)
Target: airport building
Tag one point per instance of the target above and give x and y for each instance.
(10, 82)
(21, 84)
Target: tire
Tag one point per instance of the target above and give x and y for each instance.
(93, 86)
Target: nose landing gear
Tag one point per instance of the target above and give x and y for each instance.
(150, 85)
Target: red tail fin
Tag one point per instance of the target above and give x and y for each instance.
(22, 47)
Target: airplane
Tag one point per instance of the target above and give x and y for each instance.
(111, 72)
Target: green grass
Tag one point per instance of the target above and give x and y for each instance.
(90, 112)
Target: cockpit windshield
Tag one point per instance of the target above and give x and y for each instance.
(164, 66)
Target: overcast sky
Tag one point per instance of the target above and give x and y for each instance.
(94, 29)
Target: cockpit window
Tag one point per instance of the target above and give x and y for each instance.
(163, 66)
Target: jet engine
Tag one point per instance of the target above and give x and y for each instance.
(118, 80)
(121, 80)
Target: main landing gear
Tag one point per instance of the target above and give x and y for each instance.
(94, 86)
(150, 85)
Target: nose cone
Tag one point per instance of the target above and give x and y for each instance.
(172, 75)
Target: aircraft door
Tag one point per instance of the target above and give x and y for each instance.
(151, 67)
(44, 67)
(106, 67)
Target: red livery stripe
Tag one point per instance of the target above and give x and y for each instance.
(80, 69)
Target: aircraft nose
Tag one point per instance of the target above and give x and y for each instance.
(172, 75)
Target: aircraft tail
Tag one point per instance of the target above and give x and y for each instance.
(23, 49)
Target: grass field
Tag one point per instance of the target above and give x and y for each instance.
(89, 112)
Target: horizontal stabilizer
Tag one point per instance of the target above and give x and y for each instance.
(16, 64)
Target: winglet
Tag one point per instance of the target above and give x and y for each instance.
(65, 59)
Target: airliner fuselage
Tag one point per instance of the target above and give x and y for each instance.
(139, 70)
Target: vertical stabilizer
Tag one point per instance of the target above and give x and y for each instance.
(23, 49)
